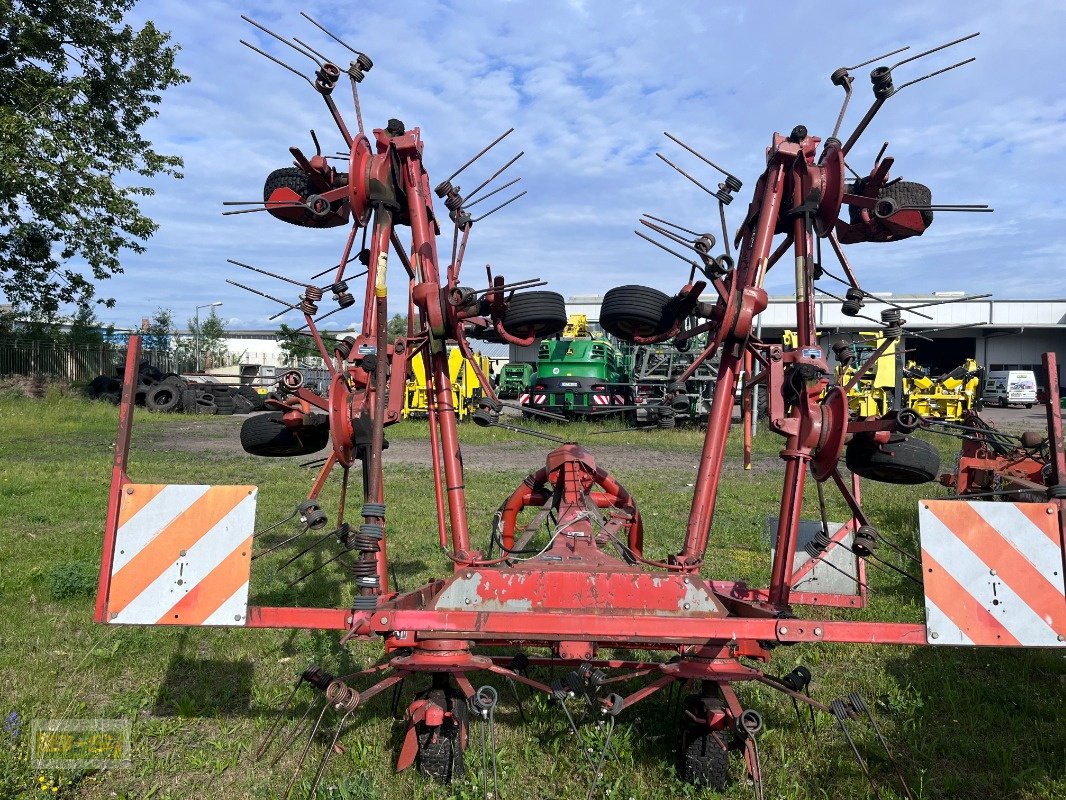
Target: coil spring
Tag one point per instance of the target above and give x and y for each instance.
(892, 319)
(342, 696)
(364, 543)
(443, 188)
(852, 302)
(344, 347)
(454, 201)
(365, 569)
(373, 510)
(1057, 492)
(376, 532)
(307, 306)
(865, 542)
(313, 293)
(366, 602)
(345, 299)
(366, 582)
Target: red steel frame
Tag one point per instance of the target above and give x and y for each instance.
(575, 596)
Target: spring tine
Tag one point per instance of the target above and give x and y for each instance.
(261, 294)
(669, 234)
(327, 755)
(934, 50)
(316, 569)
(321, 317)
(840, 714)
(331, 35)
(276, 524)
(647, 238)
(267, 272)
(903, 86)
(700, 156)
(281, 39)
(467, 206)
(295, 731)
(878, 58)
(494, 175)
(306, 46)
(303, 753)
(538, 413)
(278, 61)
(501, 205)
(277, 723)
(308, 549)
(281, 544)
(264, 207)
(675, 166)
(857, 700)
(333, 267)
(499, 139)
(672, 224)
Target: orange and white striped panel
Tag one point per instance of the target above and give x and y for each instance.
(182, 555)
(993, 573)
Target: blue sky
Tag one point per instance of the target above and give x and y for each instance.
(590, 87)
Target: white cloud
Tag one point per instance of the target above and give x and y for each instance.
(589, 87)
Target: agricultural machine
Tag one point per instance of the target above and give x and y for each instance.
(949, 396)
(579, 373)
(579, 581)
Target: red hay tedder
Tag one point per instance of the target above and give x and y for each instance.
(181, 554)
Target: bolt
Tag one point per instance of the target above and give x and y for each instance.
(991, 572)
(1050, 510)
(467, 601)
(934, 635)
(384, 620)
(348, 620)
(184, 552)
(687, 606)
(237, 617)
(130, 491)
(817, 631)
(1062, 638)
(782, 629)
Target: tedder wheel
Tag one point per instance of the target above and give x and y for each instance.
(440, 750)
(904, 193)
(543, 313)
(163, 397)
(705, 761)
(901, 460)
(630, 311)
(267, 435)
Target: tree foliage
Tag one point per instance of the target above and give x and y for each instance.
(205, 347)
(160, 330)
(77, 84)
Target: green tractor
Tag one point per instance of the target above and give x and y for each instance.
(514, 380)
(580, 374)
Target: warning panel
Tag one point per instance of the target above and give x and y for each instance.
(182, 555)
(993, 573)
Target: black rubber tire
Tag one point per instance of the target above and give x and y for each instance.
(252, 396)
(149, 374)
(904, 193)
(103, 384)
(543, 313)
(902, 460)
(442, 760)
(266, 435)
(175, 380)
(164, 397)
(114, 398)
(206, 407)
(188, 400)
(242, 405)
(704, 762)
(629, 311)
(294, 179)
(1028, 405)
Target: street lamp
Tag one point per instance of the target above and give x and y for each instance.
(196, 333)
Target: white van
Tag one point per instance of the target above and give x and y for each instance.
(1014, 387)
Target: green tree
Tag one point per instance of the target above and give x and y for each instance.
(397, 327)
(77, 84)
(296, 347)
(160, 331)
(206, 346)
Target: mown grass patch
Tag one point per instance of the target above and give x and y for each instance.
(964, 723)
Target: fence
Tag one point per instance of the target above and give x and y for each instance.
(74, 363)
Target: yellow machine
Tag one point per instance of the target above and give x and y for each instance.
(465, 387)
(946, 397)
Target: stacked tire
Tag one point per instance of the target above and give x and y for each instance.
(167, 392)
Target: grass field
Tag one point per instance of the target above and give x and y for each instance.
(964, 723)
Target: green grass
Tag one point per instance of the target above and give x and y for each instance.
(964, 723)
